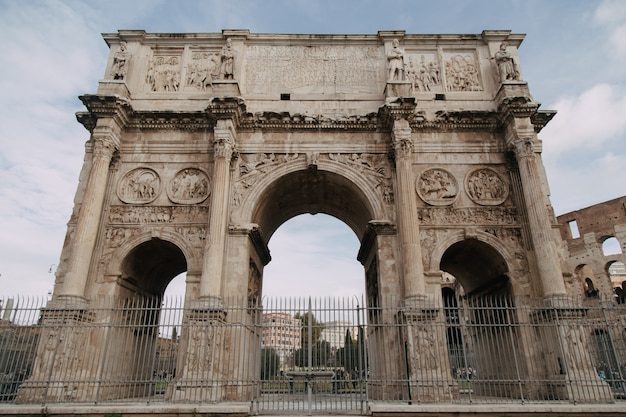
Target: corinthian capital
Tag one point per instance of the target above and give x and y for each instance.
(224, 143)
(223, 147)
(104, 147)
(523, 147)
(401, 137)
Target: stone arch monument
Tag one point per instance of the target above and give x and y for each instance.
(202, 145)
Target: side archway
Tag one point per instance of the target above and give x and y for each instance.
(475, 262)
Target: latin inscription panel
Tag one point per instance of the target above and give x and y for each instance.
(314, 69)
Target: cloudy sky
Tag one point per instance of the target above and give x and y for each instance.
(573, 57)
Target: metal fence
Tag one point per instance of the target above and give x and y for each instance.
(331, 355)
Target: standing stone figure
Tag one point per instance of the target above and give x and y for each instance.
(395, 62)
(506, 65)
(120, 63)
(228, 61)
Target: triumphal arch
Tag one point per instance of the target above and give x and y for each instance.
(202, 145)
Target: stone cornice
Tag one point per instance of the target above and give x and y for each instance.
(541, 119)
(285, 120)
(190, 121)
(233, 108)
(104, 106)
(254, 234)
(401, 108)
(457, 120)
(374, 228)
(515, 107)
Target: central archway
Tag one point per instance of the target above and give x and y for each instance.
(312, 191)
(341, 192)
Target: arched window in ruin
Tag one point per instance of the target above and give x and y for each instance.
(611, 246)
(584, 274)
(590, 289)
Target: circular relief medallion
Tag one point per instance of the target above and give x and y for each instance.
(189, 186)
(486, 187)
(139, 186)
(437, 187)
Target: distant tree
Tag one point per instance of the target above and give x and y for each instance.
(321, 355)
(361, 351)
(270, 363)
(349, 353)
(316, 328)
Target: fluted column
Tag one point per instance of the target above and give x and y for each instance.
(212, 268)
(408, 221)
(105, 144)
(542, 235)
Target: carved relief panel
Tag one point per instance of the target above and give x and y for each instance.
(189, 186)
(202, 70)
(139, 186)
(424, 72)
(486, 187)
(164, 71)
(437, 187)
(462, 72)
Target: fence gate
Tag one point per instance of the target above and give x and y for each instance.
(313, 357)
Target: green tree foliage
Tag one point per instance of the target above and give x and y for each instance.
(270, 363)
(321, 355)
(349, 359)
(316, 328)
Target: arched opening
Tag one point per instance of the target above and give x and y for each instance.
(150, 267)
(611, 246)
(477, 267)
(143, 345)
(584, 274)
(313, 256)
(483, 344)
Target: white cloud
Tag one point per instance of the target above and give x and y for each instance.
(314, 255)
(576, 185)
(587, 121)
(612, 15)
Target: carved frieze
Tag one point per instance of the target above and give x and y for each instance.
(462, 72)
(164, 73)
(374, 166)
(437, 187)
(194, 234)
(157, 214)
(467, 216)
(251, 168)
(115, 236)
(486, 187)
(139, 186)
(189, 186)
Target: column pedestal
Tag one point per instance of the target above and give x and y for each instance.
(203, 359)
(428, 368)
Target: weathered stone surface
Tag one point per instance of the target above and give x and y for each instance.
(202, 145)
